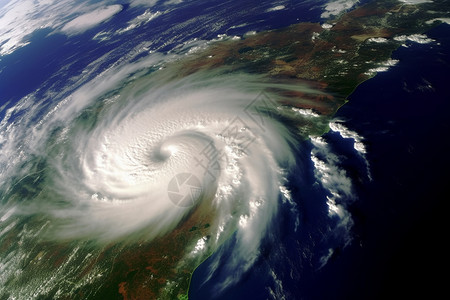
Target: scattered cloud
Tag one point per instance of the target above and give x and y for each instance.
(415, 38)
(382, 67)
(349, 134)
(336, 183)
(142, 19)
(359, 145)
(19, 19)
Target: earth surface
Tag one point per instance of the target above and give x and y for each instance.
(223, 149)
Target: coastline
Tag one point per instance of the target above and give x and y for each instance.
(332, 89)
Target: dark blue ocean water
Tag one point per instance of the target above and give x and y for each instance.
(399, 233)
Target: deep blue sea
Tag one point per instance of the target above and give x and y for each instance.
(397, 248)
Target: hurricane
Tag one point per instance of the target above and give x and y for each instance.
(134, 152)
(113, 165)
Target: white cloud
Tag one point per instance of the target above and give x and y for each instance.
(413, 2)
(91, 19)
(378, 40)
(383, 67)
(443, 20)
(20, 18)
(279, 7)
(142, 19)
(336, 7)
(327, 26)
(324, 259)
(336, 183)
(347, 133)
(307, 112)
(359, 145)
(7, 214)
(277, 292)
(416, 38)
(149, 2)
(200, 246)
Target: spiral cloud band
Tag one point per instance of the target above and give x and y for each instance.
(117, 160)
